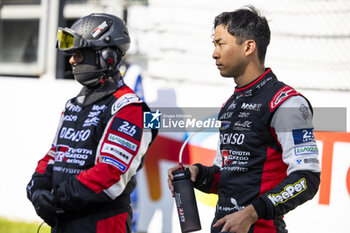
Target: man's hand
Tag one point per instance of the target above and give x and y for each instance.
(238, 222)
(193, 170)
(45, 205)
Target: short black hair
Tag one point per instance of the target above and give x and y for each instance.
(244, 24)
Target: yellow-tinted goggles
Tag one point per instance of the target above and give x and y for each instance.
(68, 41)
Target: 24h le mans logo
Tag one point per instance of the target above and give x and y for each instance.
(151, 120)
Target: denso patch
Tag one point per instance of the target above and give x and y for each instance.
(303, 135)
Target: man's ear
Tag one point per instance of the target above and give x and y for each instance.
(250, 46)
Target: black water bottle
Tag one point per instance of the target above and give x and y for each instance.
(185, 201)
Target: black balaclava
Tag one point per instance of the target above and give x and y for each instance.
(87, 71)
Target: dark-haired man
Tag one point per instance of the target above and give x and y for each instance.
(267, 158)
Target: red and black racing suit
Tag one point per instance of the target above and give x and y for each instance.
(267, 154)
(99, 146)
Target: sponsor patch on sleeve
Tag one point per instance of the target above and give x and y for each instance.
(113, 162)
(311, 160)
(52, 152)
(123, 101)
(127, 128)
(122, 141)
(290, 191)
(225, 157)
(303, 136)
(306, 150)
(283, 94)
(117, 152)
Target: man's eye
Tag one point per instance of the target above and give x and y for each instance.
(218, 44)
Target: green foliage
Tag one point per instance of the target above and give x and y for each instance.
(10, 226)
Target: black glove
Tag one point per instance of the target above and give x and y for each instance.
(46, 207)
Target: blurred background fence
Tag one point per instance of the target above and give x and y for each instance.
(171, 39)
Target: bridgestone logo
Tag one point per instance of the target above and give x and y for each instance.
(289, 192)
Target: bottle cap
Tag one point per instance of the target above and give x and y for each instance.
(181, 174)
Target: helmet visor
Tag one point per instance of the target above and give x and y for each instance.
(68, 40)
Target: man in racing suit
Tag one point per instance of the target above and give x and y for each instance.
(266, 162)
(84, 182)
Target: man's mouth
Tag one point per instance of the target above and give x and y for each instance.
(219, 65)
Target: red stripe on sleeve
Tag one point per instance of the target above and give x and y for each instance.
(264, 226)
(122, 91)
(274, 171)
(271, 177)
(99, 177)
(132, 113)
(114, 224)
(42, 164)
(215, 183)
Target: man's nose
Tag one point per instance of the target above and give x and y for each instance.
(76, 58)
(215, 54)
(72, 61)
